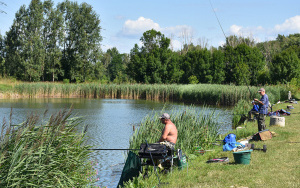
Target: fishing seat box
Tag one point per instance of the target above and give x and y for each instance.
(158, 151)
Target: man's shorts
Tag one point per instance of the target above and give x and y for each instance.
(168, 144)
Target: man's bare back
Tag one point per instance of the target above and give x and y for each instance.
(169, 132)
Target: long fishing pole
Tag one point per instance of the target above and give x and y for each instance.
(229, 44)
(115, 149)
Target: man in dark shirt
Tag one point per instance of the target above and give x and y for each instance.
(263, 109)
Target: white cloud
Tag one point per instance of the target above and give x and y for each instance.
(139, 26)
(290, 25)
(135, 28)
(235, 29)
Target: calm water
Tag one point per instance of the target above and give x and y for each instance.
(110, 123)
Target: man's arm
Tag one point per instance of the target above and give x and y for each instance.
(259, 102)
(165, 133)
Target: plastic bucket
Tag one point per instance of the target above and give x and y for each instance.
(242, 157)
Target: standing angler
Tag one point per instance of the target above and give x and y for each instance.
(263, 109)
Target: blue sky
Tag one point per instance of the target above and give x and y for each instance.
(123, 22)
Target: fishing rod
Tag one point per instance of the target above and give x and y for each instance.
(229, 45)
(114, 149)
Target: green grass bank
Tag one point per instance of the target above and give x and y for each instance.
(278, 167)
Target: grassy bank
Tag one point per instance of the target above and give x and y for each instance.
(278, 167)
(50, 154)
(212, 94)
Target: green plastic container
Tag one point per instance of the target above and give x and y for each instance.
(242, 157)
(182, 163)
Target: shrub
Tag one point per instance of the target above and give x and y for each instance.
(193, 79)
(66, 81)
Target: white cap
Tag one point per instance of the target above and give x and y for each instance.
(164, 116)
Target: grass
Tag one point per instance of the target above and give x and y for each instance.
(5, 87)
(49, 154)
(195, 128)
(211, 94)
(278, 167)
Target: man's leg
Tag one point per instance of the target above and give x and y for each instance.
(261, 122)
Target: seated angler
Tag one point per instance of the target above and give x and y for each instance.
(253, 112)
(169, 133)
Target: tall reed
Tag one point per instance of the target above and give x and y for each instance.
(52, 154)
(212, 94)
(240, 111)
(195, 128)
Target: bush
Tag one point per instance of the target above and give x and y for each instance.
(66, 81)
(193, 80)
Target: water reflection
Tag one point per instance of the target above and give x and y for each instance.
(110, 124)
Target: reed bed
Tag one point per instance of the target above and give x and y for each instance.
(240, 112)
(52, 154)
(195, 128)
(212, 94)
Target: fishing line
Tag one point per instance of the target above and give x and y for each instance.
(2, 3)
(227, 42)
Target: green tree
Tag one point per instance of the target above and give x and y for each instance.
(2, 60)
(285, 66)
(154, 61)
(24, 52)
(217, 68)
(253, 59)
(197, 63)
(53, 29)
(137, 66)
(173, 72)
(117, 65)
(236, 69)
(82, 37)
(34, 53)
(243, 64)
(14, 42)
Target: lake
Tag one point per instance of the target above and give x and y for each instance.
(110, 124)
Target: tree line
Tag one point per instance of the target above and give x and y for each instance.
(53, 43)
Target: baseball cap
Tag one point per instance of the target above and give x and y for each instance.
(261, 89)
(164, 116)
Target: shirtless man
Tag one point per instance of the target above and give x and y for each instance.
(169, 133)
